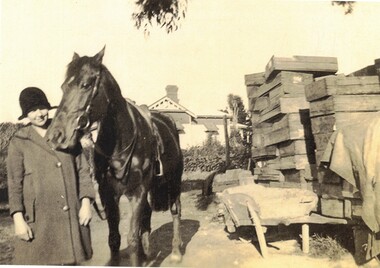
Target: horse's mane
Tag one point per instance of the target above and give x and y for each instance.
(74, 67)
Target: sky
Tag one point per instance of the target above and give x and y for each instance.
(207, 57)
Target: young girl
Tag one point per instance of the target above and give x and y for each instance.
(49, 192)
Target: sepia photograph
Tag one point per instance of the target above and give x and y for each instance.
(190, 133)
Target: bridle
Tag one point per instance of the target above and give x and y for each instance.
(83, 121)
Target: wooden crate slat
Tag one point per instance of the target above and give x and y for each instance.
(291, 127)
(293, 90)
(264, 152)
(284, 78)
(284, 105)
(332, 122)
(251, 91)
(321, 140)
(341, 85)
(300, 175)
(261, 104)
(316, 65)
(255, 79)
(294, 147)
(296, 161)
(345, 103)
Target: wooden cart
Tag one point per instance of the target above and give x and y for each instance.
(259, 206)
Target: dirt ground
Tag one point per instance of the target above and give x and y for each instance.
(206, 243)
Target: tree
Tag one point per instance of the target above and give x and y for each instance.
(166, 13)
(237, 108)
(347, 5)
(7, 130)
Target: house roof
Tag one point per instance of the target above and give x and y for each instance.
(167, 104)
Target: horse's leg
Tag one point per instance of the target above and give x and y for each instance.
(111, 203)
(146, 227)
(133, 237)
(175, 209)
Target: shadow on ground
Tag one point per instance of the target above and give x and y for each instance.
(160, 244)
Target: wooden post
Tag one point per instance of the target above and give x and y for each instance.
(305, 238)
(227, 141)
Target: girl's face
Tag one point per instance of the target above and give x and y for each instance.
(38, 117)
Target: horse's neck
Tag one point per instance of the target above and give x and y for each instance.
(118, 126)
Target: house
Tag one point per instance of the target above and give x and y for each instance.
(193, 129)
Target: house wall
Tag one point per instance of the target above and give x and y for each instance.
(196, 135)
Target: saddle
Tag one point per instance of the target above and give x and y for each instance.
(144, 110)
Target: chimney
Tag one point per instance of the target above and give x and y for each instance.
(172, 92)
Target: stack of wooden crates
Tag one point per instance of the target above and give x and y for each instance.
(282, 144)
(336, 102)
(296, 104)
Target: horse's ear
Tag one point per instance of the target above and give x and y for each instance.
(75, 56)
(99, 57)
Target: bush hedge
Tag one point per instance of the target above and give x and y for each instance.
(211, 156)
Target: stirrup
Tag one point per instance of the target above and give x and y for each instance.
(159, 168)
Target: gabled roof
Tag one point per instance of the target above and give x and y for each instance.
(167, 104)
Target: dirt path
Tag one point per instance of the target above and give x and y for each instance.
(205, 242)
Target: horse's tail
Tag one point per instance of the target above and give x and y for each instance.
(166, 188)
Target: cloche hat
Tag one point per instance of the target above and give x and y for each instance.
(32, 98)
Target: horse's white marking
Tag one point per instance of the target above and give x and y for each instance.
(71, 79)
(146, 163)
(135, 161)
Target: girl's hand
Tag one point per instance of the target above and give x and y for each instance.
(22, 229)
(85, 213)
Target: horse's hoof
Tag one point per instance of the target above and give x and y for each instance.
(175, 258)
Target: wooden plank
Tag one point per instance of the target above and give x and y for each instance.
(327, 176)
(264, 152)
(255, 79)
(296, 161)
(294, 90)
(284, 105)
(289, 127)
(293, 147)
(332, 122)
(286, 134)
(284, 78)
(259, 132)
(302, 175)
(347, 209)
(332, 207)
(344, 103)
(321, 141)
(268, 174)
(251, 91)
(341, 85)
(261, 104)
(319, 66)
(259, 230)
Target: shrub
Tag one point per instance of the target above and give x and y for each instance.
(7, 130)
(211, 156)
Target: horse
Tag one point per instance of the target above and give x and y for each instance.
(136, 154)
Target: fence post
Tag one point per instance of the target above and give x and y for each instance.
(227, 141)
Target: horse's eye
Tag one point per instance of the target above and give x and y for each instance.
(86, 85)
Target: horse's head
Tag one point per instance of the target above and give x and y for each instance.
(82, 89)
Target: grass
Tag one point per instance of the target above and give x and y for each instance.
(326, 247)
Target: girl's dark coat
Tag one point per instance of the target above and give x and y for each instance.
(47, 186)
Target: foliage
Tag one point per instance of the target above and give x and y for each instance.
(7, 130)
(208, 157)
(236, 105)
(347, 5)
(211, 156)
(166, 13)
